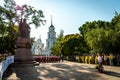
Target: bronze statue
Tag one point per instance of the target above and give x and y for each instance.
(24, 29)
(23, 40)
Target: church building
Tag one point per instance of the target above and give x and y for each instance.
(37, 47)
(50, 41)
(51, 37)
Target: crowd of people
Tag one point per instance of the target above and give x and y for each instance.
(47, 59)
(111, 59)
(5, 55)
(5, 60)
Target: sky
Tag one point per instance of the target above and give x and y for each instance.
(69, 15)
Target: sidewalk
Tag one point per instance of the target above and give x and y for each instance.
(76, 71)
(72, 71)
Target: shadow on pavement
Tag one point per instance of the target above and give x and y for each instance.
(8, 72)
(67, 72)
(62, 71)
(21, 73)
(111, 73)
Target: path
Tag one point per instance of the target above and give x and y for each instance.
(75, 71)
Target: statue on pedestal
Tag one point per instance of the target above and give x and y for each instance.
(23, 40)
(23, 44)
(24, 29)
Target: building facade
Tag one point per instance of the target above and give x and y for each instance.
(50, 41)
(37, 47)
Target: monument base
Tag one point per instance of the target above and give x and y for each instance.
(23, 55)
(21, 73)
(24, 64)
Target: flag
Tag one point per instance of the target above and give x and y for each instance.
(19, 7)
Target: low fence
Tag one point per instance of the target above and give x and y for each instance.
(4, 65)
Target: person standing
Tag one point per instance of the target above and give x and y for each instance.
(105, 59)
(100, 66)
(62, 58)
(111, 59)
(118, 58)
(96, 59)
(99, 58)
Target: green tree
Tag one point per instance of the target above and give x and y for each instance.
(73, 44)
(90, 32)
(56, 49)
(115, 24)
(9, 18)
(102, 36)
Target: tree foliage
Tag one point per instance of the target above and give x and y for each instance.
(9, 19)
(96, 36)
(74, 44)
(68, 45)
(102, 36)
(56, 49)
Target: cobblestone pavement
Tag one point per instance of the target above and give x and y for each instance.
(76, 71)
(72, 71)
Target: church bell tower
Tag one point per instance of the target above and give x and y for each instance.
(50, 41)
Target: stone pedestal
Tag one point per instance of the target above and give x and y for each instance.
(24, 64)
(23, 55)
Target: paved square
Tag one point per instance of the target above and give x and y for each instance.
(72, 71)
